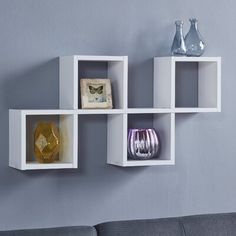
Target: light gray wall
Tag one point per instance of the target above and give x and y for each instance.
(34, 33)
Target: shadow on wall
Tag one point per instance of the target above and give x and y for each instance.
(140, 69)
(165, 39)
(140, 82)
(37, 88)
(156, 43)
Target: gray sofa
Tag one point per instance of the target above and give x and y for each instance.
(199, 225)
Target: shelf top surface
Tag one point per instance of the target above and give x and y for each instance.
(107, 58)
(98, 58)
(191, 59)
(67, 112)
(115, 111)
(43, 111)
(148, 110)
(195, 109)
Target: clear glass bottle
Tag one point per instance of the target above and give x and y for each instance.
(193, 40)
(178, 46)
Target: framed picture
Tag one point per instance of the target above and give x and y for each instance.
(96, 93)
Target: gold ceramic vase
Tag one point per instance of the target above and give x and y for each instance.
(46, 142)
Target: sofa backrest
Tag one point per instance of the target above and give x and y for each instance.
(198, 225)
(62, 231)
(210, 225)
(156, 227)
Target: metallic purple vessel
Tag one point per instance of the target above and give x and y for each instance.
(143, 144)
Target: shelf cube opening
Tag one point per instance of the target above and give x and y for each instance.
(116, 139)
(196, 84)
(112, 70)
(65, 125)
(161, 123)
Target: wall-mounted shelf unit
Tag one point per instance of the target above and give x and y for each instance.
(188, 84)
(164, 123)
(203, 95)
(117, 71)
(21, 135)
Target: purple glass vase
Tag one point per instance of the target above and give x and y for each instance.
(143, 144)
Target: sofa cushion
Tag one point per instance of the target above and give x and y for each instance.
(156, 227)
(62, 231)
(210, 225)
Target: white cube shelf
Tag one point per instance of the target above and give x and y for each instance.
(117, 71)
(180, 81)
(198, 77)
(21, 130)
(118, 126)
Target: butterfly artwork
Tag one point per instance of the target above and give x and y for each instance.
(96, 93)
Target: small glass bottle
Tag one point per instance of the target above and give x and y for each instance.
(178, 46)
(193, 40)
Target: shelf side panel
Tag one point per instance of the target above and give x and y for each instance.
(116, 139)
(162, 86)
(69, 141)
(163, 125)
(172, 138)
(207, 84)
(118, 73)
(16, 139)
(68, 82)
(219, 84)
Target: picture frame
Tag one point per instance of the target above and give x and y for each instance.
(96, 93)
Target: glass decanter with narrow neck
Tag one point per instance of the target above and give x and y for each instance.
(194, 42)
(178, 46)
